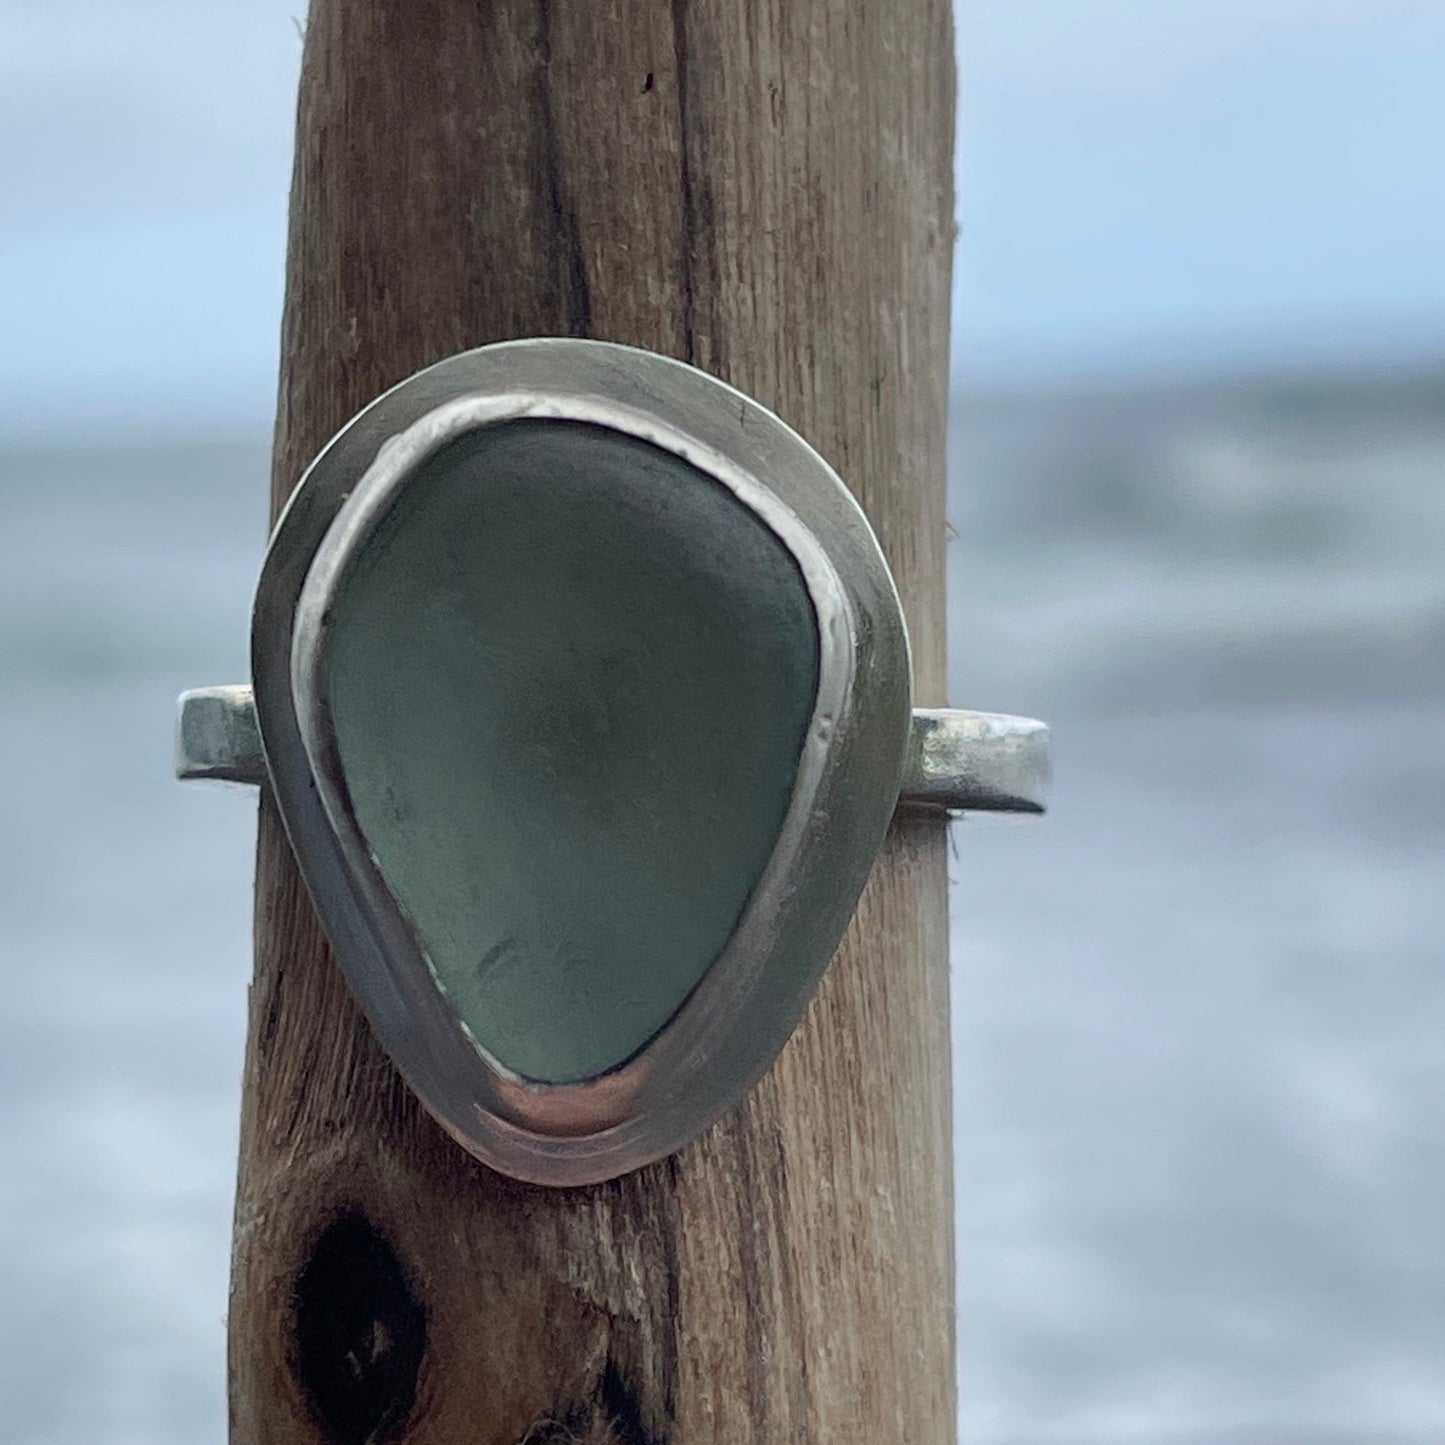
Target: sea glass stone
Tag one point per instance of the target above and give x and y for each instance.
(570, 676)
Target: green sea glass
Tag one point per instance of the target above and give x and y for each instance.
(570, 677)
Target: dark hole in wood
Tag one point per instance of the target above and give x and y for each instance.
(612, 1417)
(360, 1335)
(649, 83)
(621, 1404)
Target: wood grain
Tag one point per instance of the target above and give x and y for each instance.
(764, 188)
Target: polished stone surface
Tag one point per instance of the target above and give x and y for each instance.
(571, 676)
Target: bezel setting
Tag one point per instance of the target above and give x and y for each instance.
(738, 1016)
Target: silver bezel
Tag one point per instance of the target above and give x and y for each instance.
(738, 1016)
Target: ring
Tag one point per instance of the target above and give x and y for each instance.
(583, 690)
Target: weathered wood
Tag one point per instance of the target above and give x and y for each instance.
(762, 187)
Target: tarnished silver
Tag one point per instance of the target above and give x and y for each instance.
(958, 762)
(866, 752)
(984, 762)
(217, 737)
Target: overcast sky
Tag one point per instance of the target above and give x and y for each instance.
(1145, 181)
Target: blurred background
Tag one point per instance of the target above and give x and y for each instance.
(1198, 479)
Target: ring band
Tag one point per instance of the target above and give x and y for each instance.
(957, 761)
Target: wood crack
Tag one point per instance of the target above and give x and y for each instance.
(562, 235)
(688, 195)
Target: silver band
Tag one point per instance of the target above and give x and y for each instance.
(217, 736)
(957, 761)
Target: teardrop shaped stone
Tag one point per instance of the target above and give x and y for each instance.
(570, 677)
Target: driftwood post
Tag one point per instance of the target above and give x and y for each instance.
(763, 188)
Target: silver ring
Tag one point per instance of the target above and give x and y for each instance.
(958, 762)
(584, 693)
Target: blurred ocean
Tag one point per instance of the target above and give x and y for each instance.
(1200, 1134)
